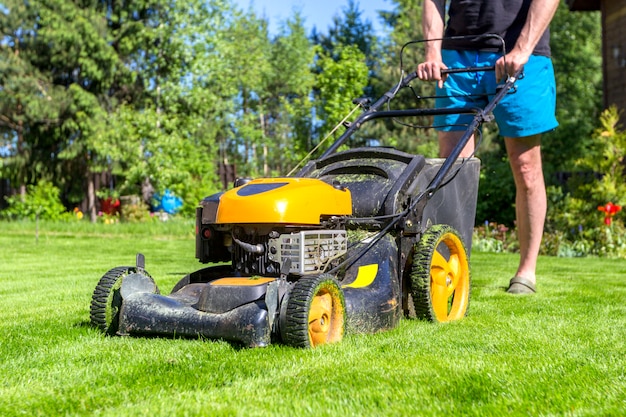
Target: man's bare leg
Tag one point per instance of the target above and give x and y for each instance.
(530, 197)
(448, 140)
(530, 200)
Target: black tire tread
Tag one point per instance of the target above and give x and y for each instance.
(420, 274)
(102, 297)
(296, 332)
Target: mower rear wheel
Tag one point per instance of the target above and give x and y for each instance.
(107, 300)
(315, 313)
(440, 276)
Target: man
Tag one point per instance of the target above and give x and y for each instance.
(522, 117)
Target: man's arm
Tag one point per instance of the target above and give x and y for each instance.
(433, 21)
(540, 15)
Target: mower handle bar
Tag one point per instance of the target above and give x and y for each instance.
(480, 116)
(371, 111)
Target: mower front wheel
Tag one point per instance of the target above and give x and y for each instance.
(440, 276)
(106, 300)
(315, 312)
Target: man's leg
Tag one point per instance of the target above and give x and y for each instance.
(530, 200)
(448, 140)
(530, 197)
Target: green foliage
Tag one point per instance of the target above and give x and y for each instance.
(576, 44)
(494, 238)
(605, 156)
(31, 104)
(289, 125)
(412, 135)
(104, 67)
(270, 125)
(575, 227)
(496, 190)
(573, 212)
(135, 211)
(342, 78)
(349, 29)
(41, 201)
(162, 93)
(147, 145)
(248, 57)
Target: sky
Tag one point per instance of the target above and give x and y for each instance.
(316, 13)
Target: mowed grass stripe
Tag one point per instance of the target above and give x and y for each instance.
(559, 352)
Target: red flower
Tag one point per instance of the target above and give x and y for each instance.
(110, 205)
(609, 210)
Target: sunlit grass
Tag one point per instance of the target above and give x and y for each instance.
(559, 352)
(176, 227)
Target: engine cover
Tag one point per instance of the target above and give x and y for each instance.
(278, 201)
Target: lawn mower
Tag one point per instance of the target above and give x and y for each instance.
(352, 242)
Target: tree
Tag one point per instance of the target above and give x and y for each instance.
(341, 79)
(349, 51)
(30, 102)
(576, 43)
(349, 29)
(289, 102)
(246, 53)
(271, 120)
(403, 51)
(155, 93)
(168, 137)
(63, 67)
(83, 68)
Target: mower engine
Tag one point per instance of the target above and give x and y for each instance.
(273, 227)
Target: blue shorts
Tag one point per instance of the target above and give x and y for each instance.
(528, 111)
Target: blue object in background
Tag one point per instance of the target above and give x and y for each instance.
(167, 202)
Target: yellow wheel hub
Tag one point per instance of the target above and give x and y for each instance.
(449, 280)
(440, 275)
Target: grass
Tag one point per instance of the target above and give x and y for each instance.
(557, 353)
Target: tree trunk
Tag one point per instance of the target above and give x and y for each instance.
(20, 153)
(91, 197)
(265, 152)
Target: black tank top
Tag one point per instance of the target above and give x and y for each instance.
(479, 17)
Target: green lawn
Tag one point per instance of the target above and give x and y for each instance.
(560, 352)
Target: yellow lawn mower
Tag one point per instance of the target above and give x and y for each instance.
(353, 242)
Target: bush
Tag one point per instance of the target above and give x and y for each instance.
(494, 237)
(496, 191)
(134, 210)
(574, 225)
(41, 200)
